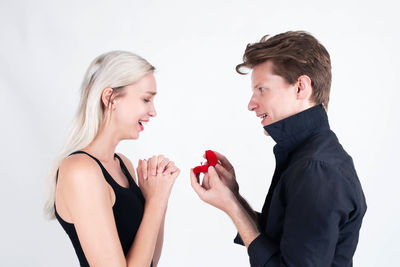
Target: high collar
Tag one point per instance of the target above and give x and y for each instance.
(294, 130)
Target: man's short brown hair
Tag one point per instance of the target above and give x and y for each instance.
(293, 53)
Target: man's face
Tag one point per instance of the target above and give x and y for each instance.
(273, 98)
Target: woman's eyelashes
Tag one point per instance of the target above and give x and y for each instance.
(148, 98)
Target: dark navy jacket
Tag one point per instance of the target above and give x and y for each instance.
(315, 205)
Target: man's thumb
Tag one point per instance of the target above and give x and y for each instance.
(213, 175)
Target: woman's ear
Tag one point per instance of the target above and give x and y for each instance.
(304, 88)
(107, 97)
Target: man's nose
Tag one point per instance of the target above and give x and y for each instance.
(252, 104)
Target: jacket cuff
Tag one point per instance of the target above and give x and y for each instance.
(261, 250)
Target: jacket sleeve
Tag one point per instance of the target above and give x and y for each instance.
(318, 201)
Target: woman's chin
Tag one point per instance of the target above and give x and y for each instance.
(135, 136)
(132, 136)
(136, 133)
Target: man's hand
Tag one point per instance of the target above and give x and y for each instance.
(226, 172)
(213, 191)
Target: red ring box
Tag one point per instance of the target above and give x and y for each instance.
(211, 161)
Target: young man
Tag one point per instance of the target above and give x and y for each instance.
(315, 205)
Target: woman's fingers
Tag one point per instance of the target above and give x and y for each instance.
(176, 173)
(144, 168)
(140, 172)
(152, 165)
(170, 168)
(159, 164)
(162, 163)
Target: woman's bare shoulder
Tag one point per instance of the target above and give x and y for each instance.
(80, 169)
(81, 187)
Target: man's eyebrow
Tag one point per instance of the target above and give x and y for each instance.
(256, 86)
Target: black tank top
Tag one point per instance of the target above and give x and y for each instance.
(128, 211)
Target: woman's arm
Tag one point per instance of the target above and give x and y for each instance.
(159, 244)
(89, 205)
(86, 195)
(156, 188)
(142, 251)
(160, 237)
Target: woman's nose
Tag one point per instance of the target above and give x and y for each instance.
(153, 111)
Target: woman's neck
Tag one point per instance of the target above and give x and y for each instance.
(103, 146)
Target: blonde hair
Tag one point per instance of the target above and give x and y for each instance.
(114, 69)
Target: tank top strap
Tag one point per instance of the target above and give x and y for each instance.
(79, 152)
(83, 152)
(107, 176)
(127, 173)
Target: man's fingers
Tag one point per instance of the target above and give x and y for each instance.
(195, 184)
(224, 161)
(206, 181)
(222, 172)
(213, 176)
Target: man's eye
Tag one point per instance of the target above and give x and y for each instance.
(262, 89)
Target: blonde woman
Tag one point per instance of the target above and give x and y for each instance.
(112, 217)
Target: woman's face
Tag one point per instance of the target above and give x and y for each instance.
(134, 109)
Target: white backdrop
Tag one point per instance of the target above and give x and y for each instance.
(46, 46)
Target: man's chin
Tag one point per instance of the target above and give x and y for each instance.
(266, 133)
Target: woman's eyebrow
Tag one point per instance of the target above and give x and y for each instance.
(151, 92)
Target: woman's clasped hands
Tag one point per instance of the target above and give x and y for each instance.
(156, 176)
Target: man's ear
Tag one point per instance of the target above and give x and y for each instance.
(304, 88)
(107, 97)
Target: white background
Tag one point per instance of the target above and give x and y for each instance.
(46, 46)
